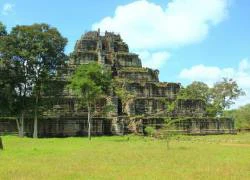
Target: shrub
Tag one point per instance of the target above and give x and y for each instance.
(150, 131)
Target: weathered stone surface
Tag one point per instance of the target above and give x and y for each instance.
(61, 126)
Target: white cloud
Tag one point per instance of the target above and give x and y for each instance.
(146, 26)
(208, 74)
(154, 60)
(212, 74)
(7, 9)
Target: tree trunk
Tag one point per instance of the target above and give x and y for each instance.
(89, 122)
(35, 125)
(1, 144)
(35, 120)
(20, 125)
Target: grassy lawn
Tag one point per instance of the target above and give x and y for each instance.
(189, 157)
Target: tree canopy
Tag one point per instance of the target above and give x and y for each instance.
(33, 54)
(241, 116)
(3, 31)
(196, 90)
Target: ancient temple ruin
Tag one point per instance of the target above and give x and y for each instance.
(148, 106)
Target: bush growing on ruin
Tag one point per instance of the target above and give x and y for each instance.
(150, 131)
(123, 94)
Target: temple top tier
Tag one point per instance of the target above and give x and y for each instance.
(107, 41)
(111, 51)
(106, 48)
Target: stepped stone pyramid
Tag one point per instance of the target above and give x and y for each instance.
(148, 105)
(150, 94)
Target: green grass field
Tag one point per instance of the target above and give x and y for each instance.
(189, 157)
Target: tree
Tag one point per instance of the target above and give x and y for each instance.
(10, 80)
(241, 116)
(1, 143)
(13, 92)
(168, 131)
(217, 98)
(90, 83)
(224, 93)
(3, 31)
(196, 90)
(12, 102)
(37, 51)
(13, 88)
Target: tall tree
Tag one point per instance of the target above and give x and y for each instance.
(37, 51)
(8, 80)
(224, 93)
(90, 82)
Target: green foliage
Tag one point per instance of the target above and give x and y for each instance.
(217, 98)
(241, 116)
(90, 82)
(196, 90)
(212, 110)
(123, 94)
(150, 131)
(3, 31)
(170, 106)
(225, 92)
(32, 56)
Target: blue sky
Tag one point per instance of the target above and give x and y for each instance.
(187, 40)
